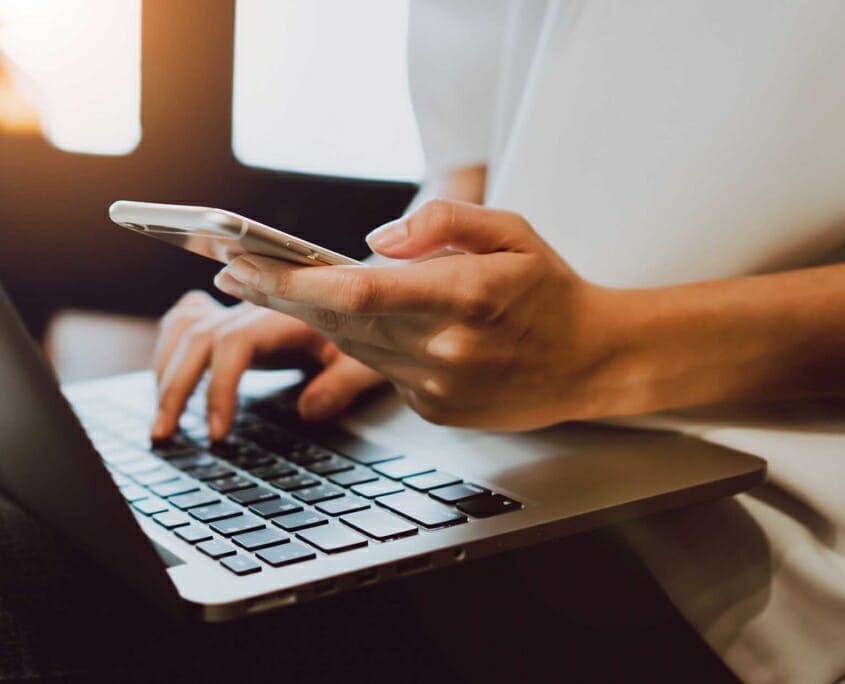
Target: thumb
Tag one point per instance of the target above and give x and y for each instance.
(460, 226)
(335, 388)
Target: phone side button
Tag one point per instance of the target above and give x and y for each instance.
(299, 249)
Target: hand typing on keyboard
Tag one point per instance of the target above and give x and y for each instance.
(200, 334)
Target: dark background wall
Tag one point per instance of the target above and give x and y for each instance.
(57, 246)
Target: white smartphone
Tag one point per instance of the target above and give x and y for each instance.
(219, 234)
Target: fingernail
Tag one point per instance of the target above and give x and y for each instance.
(159, 425)
(315, 406)
(388, 236)
(243, 271)
(224, 282)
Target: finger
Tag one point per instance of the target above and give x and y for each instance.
(181, 377)
(389, 332)
(335, 388)
(345, 289)
(191, 308)
(235, 346)
(460, 226)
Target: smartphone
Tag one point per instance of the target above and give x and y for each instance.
(219, 234)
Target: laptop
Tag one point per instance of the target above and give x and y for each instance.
(283, 512)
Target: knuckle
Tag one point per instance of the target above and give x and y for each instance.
(358, 294)
(516, 217)
(227, 336)
(434, 399)
(453, 349)
(437, 212)
(177, 315)
(442, 389)
(276, 282)
(347, 346)
(327, 320)
(433, 412)
(479, 304)
(199, 333)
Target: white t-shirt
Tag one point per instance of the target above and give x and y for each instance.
(654, 143)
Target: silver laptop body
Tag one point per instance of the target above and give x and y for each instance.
(511, 490)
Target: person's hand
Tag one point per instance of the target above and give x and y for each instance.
(200, 334)
(500, 334)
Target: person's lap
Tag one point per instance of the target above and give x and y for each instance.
(582, 609)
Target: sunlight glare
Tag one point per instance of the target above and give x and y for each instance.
(82, 59)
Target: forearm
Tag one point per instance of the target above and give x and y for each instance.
(770, 336)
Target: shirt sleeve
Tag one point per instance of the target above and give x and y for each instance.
(453, 64)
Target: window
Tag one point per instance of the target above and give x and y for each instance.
(320, 86)
(81, 63)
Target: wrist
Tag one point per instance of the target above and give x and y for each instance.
(620, 373)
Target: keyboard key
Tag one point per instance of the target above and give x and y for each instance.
(421, 509)
(285, 554)
(241, 564)
(271, 438)
(260, 539)
(366, 453)
(347, 504)
(299, 521)
(226, 448)
(253, 495)
(458, 492)
(319, 493)
(119, 455)
(311, 454)
(252, 459)
(231, 484)
(294, 482)
(274, 470)
(357, 475)
(431, 480)
(332, 538)
(378, 488)
(193, 461)
(489, 505)
(149, 506)
(212, 472)
(379, 524)
(192, 533)
(176, 445)
(194, 499)
(120, 480)
(134, 493)
(215, 511)
(172, 519)
(157, 476)
(141, 465)
(180, 486)
(334, 464)
(217, 548)
(274, 507)
(402, 467)
(237, 525)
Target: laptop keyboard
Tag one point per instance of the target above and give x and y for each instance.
(274, 493)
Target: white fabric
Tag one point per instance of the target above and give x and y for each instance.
(453, 53)
(663, 142)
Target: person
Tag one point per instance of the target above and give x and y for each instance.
(670, 177)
